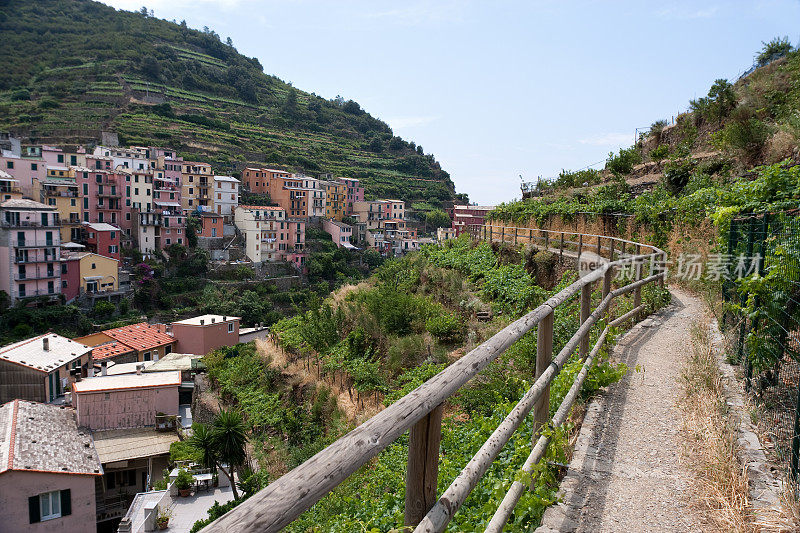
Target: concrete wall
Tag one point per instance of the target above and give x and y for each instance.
(17, 487)
(125, 408)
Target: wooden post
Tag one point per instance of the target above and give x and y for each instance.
(544, 356)
(662, 267)
(599, 254)
(586, 304)
(530, 236)
(607, 277)
(611, 250)
(561, 249)
(637, 275)
(503, 233)
(516, 231)
(580, 247)
(423, 466)
(546, 240)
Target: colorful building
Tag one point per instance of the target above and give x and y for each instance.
(30, 244)
(96, 274)
(355, 193)
(335, 199)
(103, 239)
(225, 195)
(269, 235)
(342, 234)
(48, 470)
(196, 183)
(257, 180)
(210, 225)
(60, 191)
(9, 187)
(465, 216)
(201, 334)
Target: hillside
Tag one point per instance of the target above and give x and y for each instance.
(735, 150)
(74, 68)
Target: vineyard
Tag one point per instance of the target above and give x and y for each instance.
(385, 337)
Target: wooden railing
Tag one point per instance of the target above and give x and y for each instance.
(420, 411)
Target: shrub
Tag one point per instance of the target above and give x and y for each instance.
(677, 174)
(183, 480)
(446, 327)
(659, 152)
(103, 309)
(746, 135)
(775, 49)
(624, 162)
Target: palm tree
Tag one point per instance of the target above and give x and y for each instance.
(202, 440)
(229, 439)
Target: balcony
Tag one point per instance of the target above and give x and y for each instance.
(29, 224)
(35, 243)
(9, 190)
(110, 194)
(26, 260)
(61, 194)
(36, 293)
(35, 275)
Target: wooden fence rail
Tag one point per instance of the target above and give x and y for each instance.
(282, 501)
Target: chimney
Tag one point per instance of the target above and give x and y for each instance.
(104, 368)
(91, 370)
(139, 369)
(213, 319)
(224, 318)
(202, 322)
(45, 344)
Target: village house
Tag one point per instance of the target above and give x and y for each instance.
(148, 341)
(38, 369)
(201, 334)
(88, 273)
(48, 470)
(341, 233)
(225, 195)
(29, 249)
(355, 193)
(9, 187)
(269, 235)
(464, 216)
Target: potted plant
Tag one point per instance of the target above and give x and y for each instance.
(162, 520)
(183, 482)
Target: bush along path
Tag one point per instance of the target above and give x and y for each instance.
(626, 473)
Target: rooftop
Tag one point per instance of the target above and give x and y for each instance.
(23, 203)
(116, 369)
(45, 438)
(260, 207)
(31, 352)
(173, 361)
(226, 178)
(101, 226)
(72, 245)
(127, 381)
(110, 349)
(124, 444)
(206, 320)
(141, 336)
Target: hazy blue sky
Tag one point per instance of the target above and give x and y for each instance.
(498, 89)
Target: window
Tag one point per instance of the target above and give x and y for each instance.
(72, 202)
(94, 266)
(146, 356)
(61, 158)
(50, 505)
(112, 249)
(64, 284)
(34, 166)
(230, 327)
(9, 164)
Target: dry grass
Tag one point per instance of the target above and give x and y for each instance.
(721, 492)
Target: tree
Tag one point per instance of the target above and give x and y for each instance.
(229, 42)
(437, 219)
(775, 49)
(290, 104)
(230, 438)
(202, 440)
(721, 99)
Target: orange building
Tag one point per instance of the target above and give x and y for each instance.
(256, 180)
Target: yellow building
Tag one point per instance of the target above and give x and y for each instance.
(60, 190)
(9, 187)
(335, 199)
(197, 182)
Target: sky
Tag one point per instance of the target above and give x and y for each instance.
(499, 89)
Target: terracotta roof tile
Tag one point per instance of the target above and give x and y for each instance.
(140, 336)
(110, 349)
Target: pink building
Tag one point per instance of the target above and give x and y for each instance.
(48, 469)
(340, 233)
(469, 215)
(70, 276)
(103, 239)
(126, 400)
(24, 170)
(355, 193)
(201, 334)
(30, 244)
(297, 242)
(101, 194)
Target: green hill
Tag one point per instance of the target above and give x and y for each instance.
(74, 68)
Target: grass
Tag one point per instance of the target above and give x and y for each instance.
(721, 491)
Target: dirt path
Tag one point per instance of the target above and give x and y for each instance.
(626, 473)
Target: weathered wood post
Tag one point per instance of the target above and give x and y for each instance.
(546, 240)
(503, 233)
(611, 249)
(580, 248)
(586, 304)
(530, 236)
(637, 275)
(422, 472)
(561, 250)
(544, 356)
(516, 231)
(599, 253)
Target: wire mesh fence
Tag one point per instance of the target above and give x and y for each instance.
(762, 318)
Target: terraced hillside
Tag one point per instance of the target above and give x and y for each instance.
(74, 68)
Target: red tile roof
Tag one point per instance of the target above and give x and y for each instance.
(140, 336)
(110, 349)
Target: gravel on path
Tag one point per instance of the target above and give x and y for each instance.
(626, 473)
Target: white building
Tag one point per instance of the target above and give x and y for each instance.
(225, 195)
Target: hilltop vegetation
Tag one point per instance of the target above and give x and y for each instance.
(733, 152)
(73, 68)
